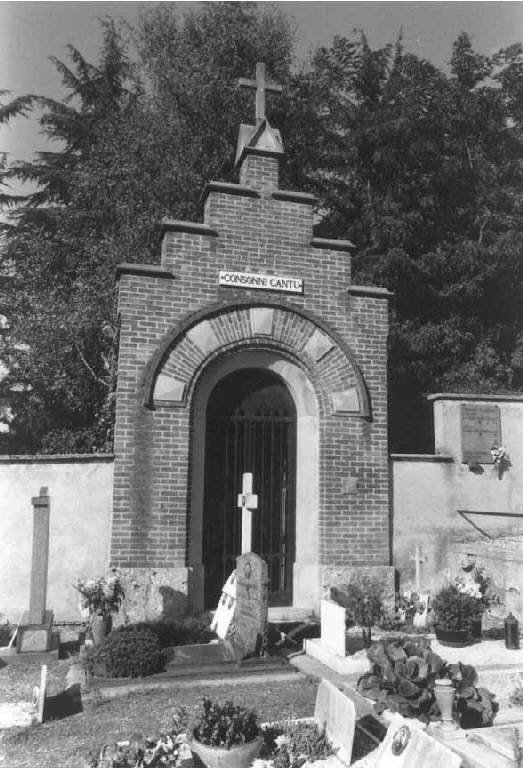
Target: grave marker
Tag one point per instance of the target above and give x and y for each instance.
(480, 430)
(250, 613)
(247, 501)
(39, 695)
(333, 626)
(224, 615)
(35, 627)
(337, 714)
(407, 746)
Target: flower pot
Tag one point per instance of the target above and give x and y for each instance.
(455, 638)
(444, 692)
(100, 627)
(240, 756)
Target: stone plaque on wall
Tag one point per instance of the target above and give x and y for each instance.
(250, 614)
(480, 430)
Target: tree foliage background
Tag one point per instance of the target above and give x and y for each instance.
(422, 169)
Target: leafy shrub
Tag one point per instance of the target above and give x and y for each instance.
(224, 725)
(6, 633)
(171, 633)
(362, 601)
(516, 696)
(455, 610)
(403, 677)
(129, 651)
(293, 743)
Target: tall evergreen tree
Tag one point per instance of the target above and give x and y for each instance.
(134, 145)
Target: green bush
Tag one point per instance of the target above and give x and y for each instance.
(171, 633)
(225, 724)
(129, 651)
(455, 610)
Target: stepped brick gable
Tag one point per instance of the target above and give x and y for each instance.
(250, 289)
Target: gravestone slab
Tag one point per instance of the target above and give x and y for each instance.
(39, 694)
(480, 430)
(337, 714)
(34, 637)
(407, 746)
(250, 614)
(333, 626)
(224, 615)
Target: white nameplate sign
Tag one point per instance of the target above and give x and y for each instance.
(264, 282)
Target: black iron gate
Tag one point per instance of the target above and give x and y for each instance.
(258, 435)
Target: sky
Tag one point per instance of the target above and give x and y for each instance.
(31, 32)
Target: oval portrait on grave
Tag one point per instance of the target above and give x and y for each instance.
(400, 740)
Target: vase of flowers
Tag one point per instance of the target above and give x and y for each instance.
(459, 607)
(500, 459)
(102, 597)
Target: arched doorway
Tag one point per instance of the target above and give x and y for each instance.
(250, 427)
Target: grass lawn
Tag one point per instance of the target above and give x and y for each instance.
(68, 743)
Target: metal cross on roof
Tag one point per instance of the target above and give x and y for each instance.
(260, 85)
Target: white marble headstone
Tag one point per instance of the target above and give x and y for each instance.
(333, 626)
(335, 712)
(407, 746)
(224, 615)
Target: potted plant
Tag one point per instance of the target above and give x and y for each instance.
(224, 735)
(363, 605)
(409, 678)
(458, 608)
(101, 598)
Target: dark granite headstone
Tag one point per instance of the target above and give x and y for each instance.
(480, 430)
(250, 615)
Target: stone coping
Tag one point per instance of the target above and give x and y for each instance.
(188, 227)
(369, 290)
(288, 195)
(146, 270)
(242, 190)
(474, 397)
(431, 457)
(56, 458)
(332, 245)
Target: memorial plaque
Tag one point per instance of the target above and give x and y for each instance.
(480, 430)
(407, 746)
(250, 614)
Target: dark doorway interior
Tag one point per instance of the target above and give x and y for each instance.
(250, 427)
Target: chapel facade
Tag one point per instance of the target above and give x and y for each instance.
(250, 350)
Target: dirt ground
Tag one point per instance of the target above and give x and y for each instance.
(70, 742)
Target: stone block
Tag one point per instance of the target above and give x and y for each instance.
(261, 320)
(167, 388)
(318, 345)
(337, 714)
(153, 593)
(204, 337)
(406, 745)
(333, 626)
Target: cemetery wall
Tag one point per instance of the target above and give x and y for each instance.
(80, 490)
(429, 492)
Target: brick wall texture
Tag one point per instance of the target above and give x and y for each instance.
(175, 321)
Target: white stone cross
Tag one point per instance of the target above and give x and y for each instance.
(260, 85)
(417, 562)
(247, 501)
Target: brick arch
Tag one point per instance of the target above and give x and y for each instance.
(226, 327)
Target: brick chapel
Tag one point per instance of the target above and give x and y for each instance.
(250, 350)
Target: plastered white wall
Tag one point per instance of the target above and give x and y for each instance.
(80, 490)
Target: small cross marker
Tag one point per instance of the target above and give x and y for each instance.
(417, 562)
(260, 85)
(247, 501)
